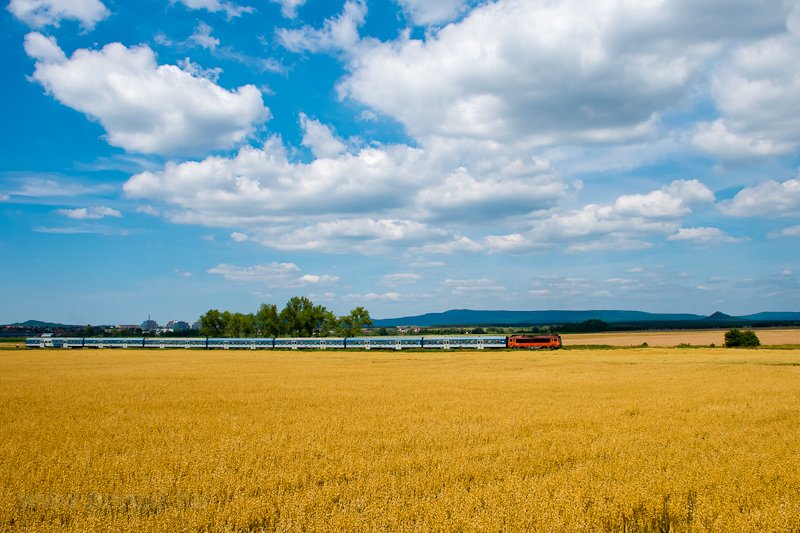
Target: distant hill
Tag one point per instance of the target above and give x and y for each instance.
(722, 317)
(467, 317)
(774, 317)
(40, 324)
(470, 317)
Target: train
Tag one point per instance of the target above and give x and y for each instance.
(478, 342)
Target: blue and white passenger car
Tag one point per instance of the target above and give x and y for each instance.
(478, 342)
(383, 343)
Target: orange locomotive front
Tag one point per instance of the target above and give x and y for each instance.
(535, 342)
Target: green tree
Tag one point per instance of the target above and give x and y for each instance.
(325, 321)
(252, 317)
(212, 324)
(297, 318)
(267, 321)
(238, 325)
(247, 324)
(736, 338)
(300, 318)
(353, 324)
(228, 324)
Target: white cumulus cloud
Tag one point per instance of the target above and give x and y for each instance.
(313, 279)
(400, 278)
(427, 12)
(148, 210)
(756, 94)
(473, 285)
(89, 213)
(319, 138)
(41, 13)
(339, 33)
(491, 197)
(372, 296)
(621, 226)
(231, 10)
(791, 231)
(367, 236)
(703, 235)
(202, 37)
(391, 195)
(514, 243)
(767, 199)
(266, 272)
(427, 264)
(289, 7)
(145, 107)
(542, 72)
(43, 188)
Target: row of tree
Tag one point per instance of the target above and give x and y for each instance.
(299, 318)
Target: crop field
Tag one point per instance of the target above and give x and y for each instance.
(650, 439)
(772, 336)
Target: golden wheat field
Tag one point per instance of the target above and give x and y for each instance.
(621, 440)
(772, 336)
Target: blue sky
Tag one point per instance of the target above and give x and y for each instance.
(165, 157)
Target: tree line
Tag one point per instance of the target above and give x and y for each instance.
(299, 318)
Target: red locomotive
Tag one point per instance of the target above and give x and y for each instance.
(535, 342)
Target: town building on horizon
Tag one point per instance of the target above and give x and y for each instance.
(149, 325)
(177, 325)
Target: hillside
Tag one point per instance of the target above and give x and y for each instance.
(467, 316)
(39, 324)
(722, 317)
(464, 317)
(771, 317)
